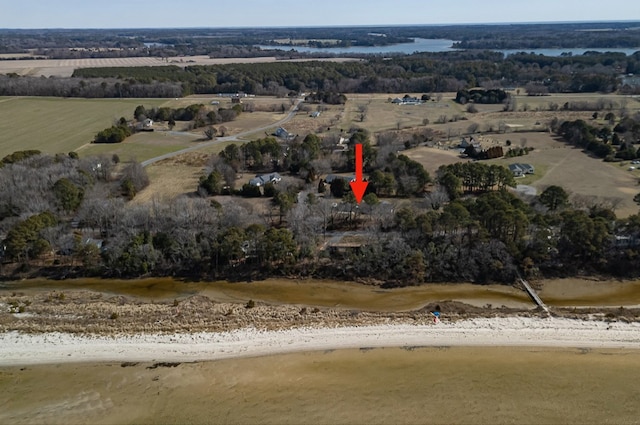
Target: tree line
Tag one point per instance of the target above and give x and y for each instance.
(419, 73)
(615, 144)
(425, 72)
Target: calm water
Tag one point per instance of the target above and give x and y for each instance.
(457, 385)
(313, 292)
(441, 45)
(419, 45)
(331, 293)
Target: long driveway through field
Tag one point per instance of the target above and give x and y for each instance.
(292, 112)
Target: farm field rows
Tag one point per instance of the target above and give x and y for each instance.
(61, 125)
(58, 125)
(65, 67)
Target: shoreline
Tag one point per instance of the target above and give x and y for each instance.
(20, 349)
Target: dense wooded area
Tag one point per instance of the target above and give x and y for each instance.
(64, 215)
(419, 73)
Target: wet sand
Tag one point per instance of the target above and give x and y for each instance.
(383, 385)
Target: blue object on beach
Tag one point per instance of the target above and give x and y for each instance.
(436, 313)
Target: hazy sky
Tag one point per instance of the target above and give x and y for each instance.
(242, 13)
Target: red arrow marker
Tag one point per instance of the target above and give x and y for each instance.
(359, 186)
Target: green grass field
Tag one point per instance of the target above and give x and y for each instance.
(142, 146)
(55, 125)
(60, 125)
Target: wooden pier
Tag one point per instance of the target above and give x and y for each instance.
(534, 295)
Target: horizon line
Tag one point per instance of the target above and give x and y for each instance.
(622, 21)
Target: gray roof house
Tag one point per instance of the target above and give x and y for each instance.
(516, 170)
(264, 179)
(332, 177)
(283, 134)
(519, 170)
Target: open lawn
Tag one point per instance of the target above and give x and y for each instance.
(453, 121)
(55, 125)
(432, 158)
(142, 146)
(382, 115)
(607, 101)
(172, 177)
(586, 178)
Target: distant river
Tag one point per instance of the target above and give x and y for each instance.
(438, 45)
(419, 45)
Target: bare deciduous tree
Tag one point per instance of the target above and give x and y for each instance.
(210, 133)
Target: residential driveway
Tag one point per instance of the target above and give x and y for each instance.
(290, 115)
(524, 189)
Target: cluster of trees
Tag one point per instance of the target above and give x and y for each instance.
(491, 96)
(473, 177)
(24, 240)
(198, 114)
(602, 141)
(492, 152)
(113, 134)
(400, 176)
(489, 237)
(518, 151)
(538, 36)
(327, 97)
(18, 156)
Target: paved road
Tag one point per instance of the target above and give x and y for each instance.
(292, 112)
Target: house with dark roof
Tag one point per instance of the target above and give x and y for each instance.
(331, 177)
(519, 170)
(516, 170)
(264, 179)
(283, 134)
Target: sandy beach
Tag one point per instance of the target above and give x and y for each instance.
(27, 349)
(172, 352)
